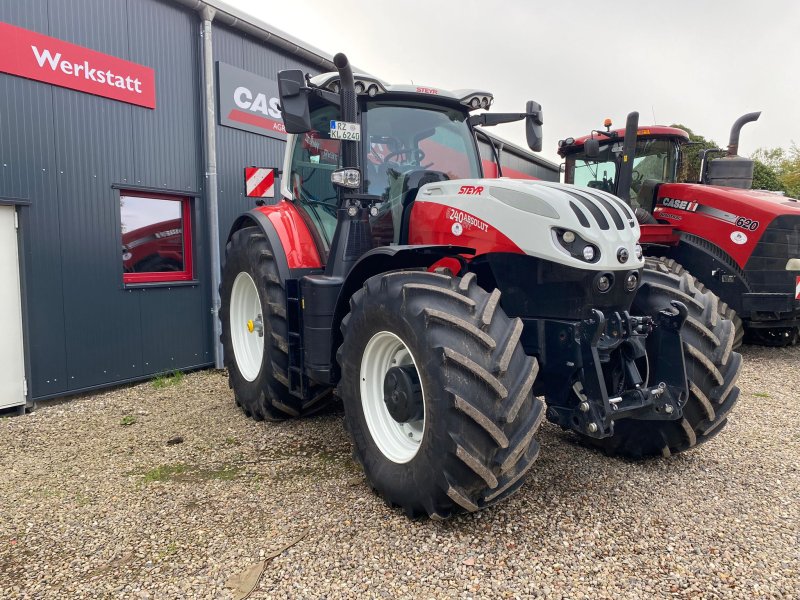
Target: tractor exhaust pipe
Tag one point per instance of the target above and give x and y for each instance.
(625, 177)
(733, 143)
(349, 107)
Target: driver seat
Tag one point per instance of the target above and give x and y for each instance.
(646, 196)
(412, 181)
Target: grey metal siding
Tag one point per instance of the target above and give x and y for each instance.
(64, 151)
(168, 40)
(28, 162)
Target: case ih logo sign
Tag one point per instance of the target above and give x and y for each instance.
(249, 102)
(43, 58)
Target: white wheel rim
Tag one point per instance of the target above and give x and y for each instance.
(399, 442)
(247, 331)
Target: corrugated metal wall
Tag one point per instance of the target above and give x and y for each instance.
(69, 152)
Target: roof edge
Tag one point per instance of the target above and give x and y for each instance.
(235, 18)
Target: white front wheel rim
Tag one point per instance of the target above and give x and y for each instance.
(246, 326)
(399, 442)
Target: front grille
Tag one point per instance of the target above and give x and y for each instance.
(766, 269)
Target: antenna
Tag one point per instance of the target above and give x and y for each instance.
(652, 108)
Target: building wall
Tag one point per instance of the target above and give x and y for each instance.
(69, 153)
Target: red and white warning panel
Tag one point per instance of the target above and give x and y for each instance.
(259, 182)
(797, 288)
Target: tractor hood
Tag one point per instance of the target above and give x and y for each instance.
(724, 215)
(530, 217)
(765, 202)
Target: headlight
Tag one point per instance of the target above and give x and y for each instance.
(604, 282)
(573, 244)
(623, 255)
(632, 281)
(349, 178)
(638, 252)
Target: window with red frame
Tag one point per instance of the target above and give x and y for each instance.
(156, 237)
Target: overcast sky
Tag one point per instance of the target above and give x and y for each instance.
(702, 63)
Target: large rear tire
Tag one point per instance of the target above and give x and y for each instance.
(468, 439)
(712, 367)
(254, 331)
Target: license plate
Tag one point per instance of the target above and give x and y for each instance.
(342, 130)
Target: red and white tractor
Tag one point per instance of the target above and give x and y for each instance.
(439, 304)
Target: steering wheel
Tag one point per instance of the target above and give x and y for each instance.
(414, 154)
(636, 181)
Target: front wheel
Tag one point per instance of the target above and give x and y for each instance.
(712, 367)
(255, 333)
(437, 393)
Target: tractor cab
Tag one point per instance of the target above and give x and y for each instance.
(394, 140)
(598, 165)
(405, 143)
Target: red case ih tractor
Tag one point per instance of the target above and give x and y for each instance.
(742, 244)
(439, 305)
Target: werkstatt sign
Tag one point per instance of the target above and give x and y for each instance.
(248, 101)
(43, 58)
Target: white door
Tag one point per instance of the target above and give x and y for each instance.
(12, 367)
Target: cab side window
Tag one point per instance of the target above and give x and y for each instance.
(314, 156)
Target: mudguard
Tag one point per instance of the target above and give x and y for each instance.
(288, 234)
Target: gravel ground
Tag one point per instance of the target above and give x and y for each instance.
(94, 502)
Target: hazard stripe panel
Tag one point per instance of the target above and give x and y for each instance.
(259, 182)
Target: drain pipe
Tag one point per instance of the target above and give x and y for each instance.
(210, 141)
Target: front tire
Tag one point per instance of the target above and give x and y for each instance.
(254, 331)
(712, 367)
(468, 439)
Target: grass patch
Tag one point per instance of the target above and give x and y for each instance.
(165, 380)
(761, 395)
(127, 420)
(170, 550)
(232, 441)
(190, 473)
(163, 473)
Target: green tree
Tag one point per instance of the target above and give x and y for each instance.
(766, 178)
(786, 166)
(690, 155)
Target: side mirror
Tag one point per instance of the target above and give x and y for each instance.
(294, 101)
(591, 148)
(533, 125)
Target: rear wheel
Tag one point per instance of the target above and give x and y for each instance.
(712, 367)
(437, 393)
(254, 330)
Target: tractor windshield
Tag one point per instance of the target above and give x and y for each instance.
(405, 139)
(655, 161)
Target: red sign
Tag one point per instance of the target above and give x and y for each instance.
(43, 58)
(259, 182)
